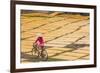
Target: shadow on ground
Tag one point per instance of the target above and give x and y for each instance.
(29, 58)
(75, 46)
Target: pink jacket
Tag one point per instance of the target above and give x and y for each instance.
(40, 41)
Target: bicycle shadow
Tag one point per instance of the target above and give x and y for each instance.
(26, 57)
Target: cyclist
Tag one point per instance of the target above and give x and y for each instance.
(39, 42)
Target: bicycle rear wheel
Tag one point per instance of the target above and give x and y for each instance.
(35, 51)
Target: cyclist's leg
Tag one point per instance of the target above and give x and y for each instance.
(34, 49)
(42, 51)
(39, 51)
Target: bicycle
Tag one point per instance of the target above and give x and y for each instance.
(41, 54)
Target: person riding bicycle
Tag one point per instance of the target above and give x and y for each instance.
(39, 42)
(38, 48)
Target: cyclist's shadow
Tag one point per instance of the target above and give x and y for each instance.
(25, 57)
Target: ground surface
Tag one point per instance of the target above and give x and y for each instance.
(66, 36)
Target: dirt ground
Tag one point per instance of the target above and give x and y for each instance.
(66, 35)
